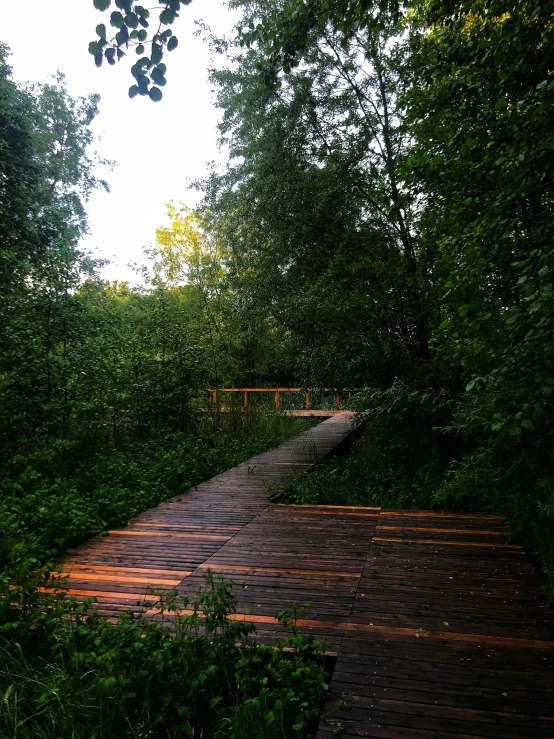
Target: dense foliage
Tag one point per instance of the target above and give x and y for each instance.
(101, 384)
(103, 416)
(74, 674)
(385, 222)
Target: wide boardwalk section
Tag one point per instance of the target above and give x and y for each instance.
(435, 620)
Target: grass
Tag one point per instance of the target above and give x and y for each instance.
(66, 672)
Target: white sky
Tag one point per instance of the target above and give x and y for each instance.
(158, 147)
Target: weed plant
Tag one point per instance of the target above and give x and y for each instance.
(67, 672)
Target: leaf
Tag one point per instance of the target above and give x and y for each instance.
(131, 20)
(116, 19)
(133, 91)
(167, 17)
(158, 77)
(157, 54)
(155, 94)
(94, 48)
(101, 30)
(101, 4)
(501, 104)
(172, 43)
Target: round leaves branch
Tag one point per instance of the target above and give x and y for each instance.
(130, 26)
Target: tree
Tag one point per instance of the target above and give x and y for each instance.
(49, 174)
(316, 206)
(480, 106)
(23, 234)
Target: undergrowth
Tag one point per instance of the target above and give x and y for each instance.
(59, 494)
(67, 672)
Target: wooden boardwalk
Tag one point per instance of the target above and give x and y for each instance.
(435, 620)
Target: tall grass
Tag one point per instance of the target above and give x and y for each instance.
(66, 672)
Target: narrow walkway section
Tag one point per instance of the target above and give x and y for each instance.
(160, 548)
(436, 620)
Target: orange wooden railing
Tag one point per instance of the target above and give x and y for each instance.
(278, 390)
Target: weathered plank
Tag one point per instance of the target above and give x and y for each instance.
(181, 535)
(447, 636)
(436, 619)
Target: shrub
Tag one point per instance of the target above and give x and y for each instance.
(67, 672)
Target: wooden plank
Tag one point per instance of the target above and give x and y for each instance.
(436, 619)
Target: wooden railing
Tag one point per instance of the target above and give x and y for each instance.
(278, 390)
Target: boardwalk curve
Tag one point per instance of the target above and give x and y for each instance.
(435, 620)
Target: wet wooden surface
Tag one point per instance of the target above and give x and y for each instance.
(436, 620)
(161, 548)
(447, 636)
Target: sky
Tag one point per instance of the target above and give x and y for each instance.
(158, 148)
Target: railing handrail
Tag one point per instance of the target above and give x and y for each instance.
(282, 389)
(278, 390)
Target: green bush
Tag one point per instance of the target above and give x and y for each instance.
(422, 449)
(399, 460)
(66, 672)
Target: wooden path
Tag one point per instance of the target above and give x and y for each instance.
(435, 620)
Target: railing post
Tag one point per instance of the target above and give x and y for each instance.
(246, 398)
(307, 400)
(277, 400)
(337, 400)
(214, 397)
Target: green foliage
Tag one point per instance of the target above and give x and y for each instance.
(101, 384)
(415, 454)
(131, 29)
(481, 113)
(318, 221)
(102, 391)
(390, 197)
(400, 459)
(65, 671)
(60, 494)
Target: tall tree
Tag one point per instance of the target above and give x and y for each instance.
(316, 204)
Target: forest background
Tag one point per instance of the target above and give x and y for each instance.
(385, 221)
